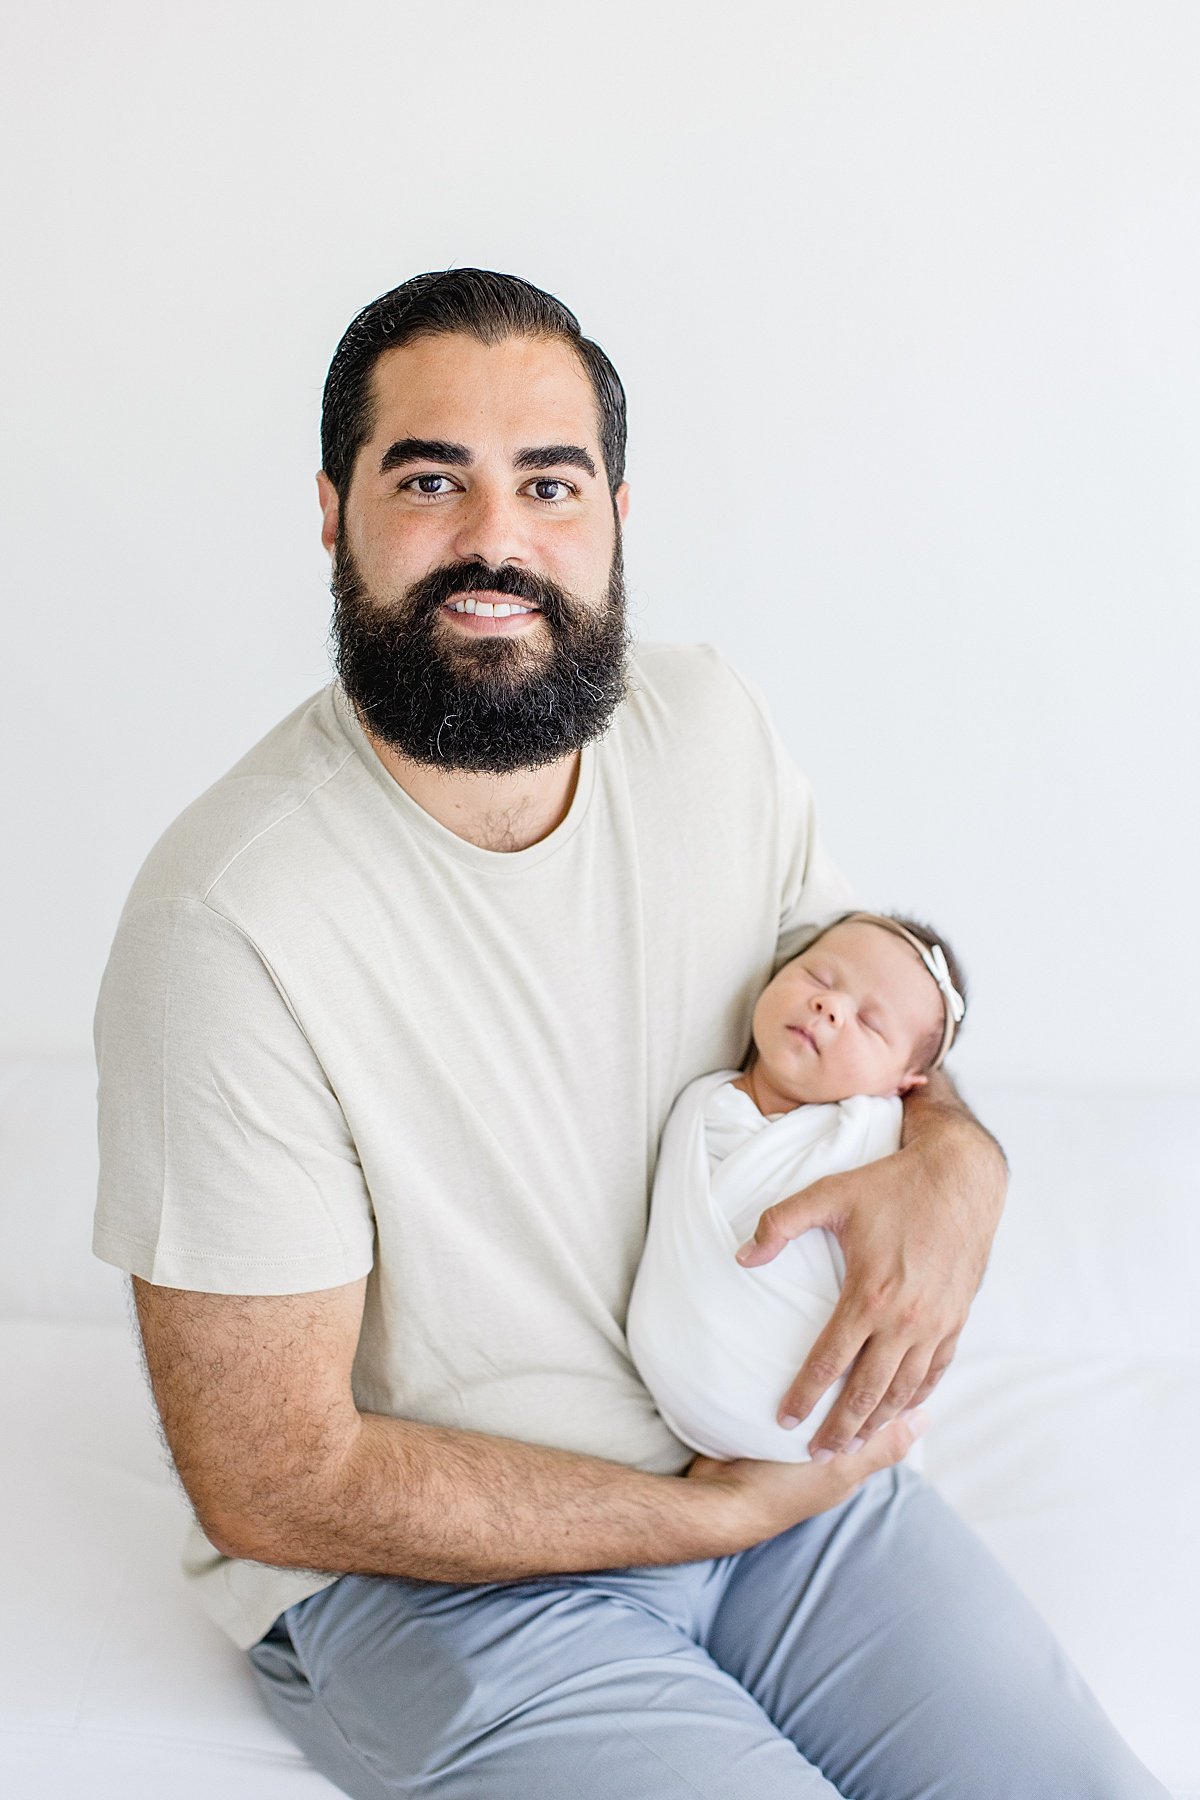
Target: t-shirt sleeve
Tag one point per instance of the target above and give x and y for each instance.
(812, 888)
(226, 1163)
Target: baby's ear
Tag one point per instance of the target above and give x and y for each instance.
(910, 1083)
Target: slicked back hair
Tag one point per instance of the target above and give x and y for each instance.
(487, 306)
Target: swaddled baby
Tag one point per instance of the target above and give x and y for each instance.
(845, 1029)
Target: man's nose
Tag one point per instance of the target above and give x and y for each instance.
(492, 527)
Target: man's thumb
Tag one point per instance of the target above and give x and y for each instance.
(779, 1225)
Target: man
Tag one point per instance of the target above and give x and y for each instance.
(392, 1022)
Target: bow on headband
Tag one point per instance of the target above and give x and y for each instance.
(934, 959)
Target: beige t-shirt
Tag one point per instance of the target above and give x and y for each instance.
(334, 1038)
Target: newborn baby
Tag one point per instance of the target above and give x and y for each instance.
(842, 1032)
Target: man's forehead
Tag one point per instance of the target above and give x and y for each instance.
(453, 386)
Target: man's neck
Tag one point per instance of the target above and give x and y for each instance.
(496, 812)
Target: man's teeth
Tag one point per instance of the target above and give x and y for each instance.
(487, 610)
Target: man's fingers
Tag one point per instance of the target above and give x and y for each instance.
(830, 1357)
(775, 1231)
(904, 1389)
(943, 1356)
(887, 1447)
(866, 1384)
(913, 1380)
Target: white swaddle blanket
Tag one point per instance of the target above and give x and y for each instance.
(717, 1345)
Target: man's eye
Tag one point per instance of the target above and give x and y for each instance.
(415, 485)
(551, 481)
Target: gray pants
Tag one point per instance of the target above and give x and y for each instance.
(877, 1652)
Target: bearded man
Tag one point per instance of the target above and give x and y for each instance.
(392, 1022)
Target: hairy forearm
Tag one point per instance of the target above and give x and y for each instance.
(963, 1170)
(445, 1505)
(255, 1397)
(939, 1111)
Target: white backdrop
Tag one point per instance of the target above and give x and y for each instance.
(904, 297)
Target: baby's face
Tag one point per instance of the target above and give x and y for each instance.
(847, 1016)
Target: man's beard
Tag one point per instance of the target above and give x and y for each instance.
(489, 704)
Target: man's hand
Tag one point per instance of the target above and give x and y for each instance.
(772, 1497)
(915, 1229)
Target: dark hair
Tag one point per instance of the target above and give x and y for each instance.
(486, 305)
(926, 1053)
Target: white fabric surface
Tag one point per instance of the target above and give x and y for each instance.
(716, 1344)
(1066, 1434)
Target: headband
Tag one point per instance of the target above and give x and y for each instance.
(934, 959)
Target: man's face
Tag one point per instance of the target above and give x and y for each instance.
(847, 1016)
(482, 486)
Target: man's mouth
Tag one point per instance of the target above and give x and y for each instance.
(496, 611)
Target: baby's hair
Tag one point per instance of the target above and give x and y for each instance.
(926, 1054)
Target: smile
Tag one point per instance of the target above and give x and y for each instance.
(486, 609)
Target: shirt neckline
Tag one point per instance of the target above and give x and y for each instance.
(440, 836)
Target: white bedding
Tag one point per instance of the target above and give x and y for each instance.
(716, 1344)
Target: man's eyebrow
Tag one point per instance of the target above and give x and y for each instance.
(537, 456)
(406, 450)
(548, 456)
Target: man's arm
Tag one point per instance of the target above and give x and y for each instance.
(255, 1399)
(916, 1229)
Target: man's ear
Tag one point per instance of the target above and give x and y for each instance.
(330, 510)
(910, 1083)
(621, 498)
